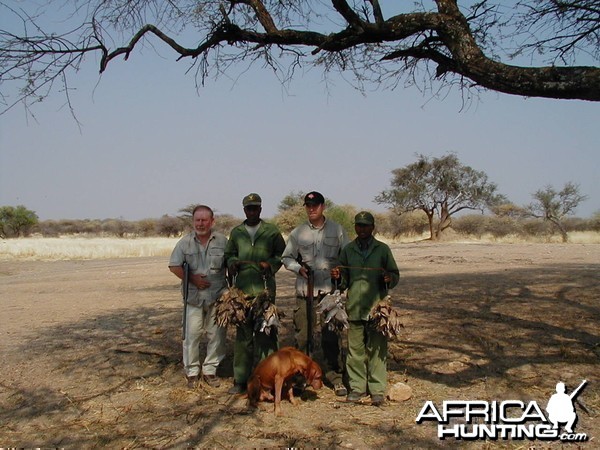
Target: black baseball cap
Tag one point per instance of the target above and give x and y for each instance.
(314, 198)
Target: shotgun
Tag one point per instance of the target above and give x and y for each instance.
(576, 391)
(309, 310)
(310, 287)
(186, 280)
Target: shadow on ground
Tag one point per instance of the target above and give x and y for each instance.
(116, 380)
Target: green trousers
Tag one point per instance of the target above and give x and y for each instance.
(249, 348)
(367, 359)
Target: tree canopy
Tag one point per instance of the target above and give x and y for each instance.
(440, 187)
(553, 206)
(536, 48)
(16, 221)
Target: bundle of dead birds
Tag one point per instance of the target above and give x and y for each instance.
(231, 308)
(264, 314)
(332, 310)
(385, 318)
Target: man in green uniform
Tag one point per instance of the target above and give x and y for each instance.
(368, 270)
(253, 256)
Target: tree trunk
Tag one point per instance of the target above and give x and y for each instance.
(561, 228)
(445, 222)
(432, 234)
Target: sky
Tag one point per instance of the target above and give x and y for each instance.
(150, 144)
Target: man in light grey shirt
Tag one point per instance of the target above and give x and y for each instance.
(204, 251)
(316, 243)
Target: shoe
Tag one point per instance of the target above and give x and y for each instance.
(377, 399)
(354, 397)
(340, 390)
(211, 380)
(237, 389)
(192, 381)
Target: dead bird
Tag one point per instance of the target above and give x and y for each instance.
(385, 318)
(332, 309)
(231, 308)
(265, 314)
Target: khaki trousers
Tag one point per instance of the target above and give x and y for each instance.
(199, 320)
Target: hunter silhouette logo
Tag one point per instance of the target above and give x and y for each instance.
(560, 407)
(507, 419)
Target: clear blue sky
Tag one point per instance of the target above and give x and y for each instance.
(150, 144)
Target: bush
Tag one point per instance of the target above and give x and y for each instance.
(170, 226)
(595, 222)
(16, 221)
(472, 225)
(413, 223)
(290, 218)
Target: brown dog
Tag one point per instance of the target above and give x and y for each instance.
(273, 376)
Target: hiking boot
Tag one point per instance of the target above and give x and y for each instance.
(237, 389)
(377, 399)
(354, 397)
(211, 380)
(340, 390)
(192, 381)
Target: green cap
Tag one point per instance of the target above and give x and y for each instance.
(364, 218)
(252, 200)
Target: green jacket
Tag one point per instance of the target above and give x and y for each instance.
(268, 246)
(365, 285)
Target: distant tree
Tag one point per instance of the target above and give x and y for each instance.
(553, 206)
(595, 221)
(224, 223)
(509, 209)
(440, 187)
(185, 213)
(117, 227)
(170, 226)
(290, 218)
(291, 200)
(408, 224)
(145, 227)
(344, 215)
(16, 221)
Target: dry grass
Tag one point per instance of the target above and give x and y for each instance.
(81, 248)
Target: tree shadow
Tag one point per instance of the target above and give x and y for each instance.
(493, 323)
(120, 372)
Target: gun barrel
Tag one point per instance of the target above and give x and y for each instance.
(576, 391)
(309, 308)
(185, 281)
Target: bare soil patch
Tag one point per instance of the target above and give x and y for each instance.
(91, 352)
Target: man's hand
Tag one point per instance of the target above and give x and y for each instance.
(335, 273)
(199, 280)
(303, 272)
(265, 267)
(233, 268)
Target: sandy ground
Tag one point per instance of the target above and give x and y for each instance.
(91, 353)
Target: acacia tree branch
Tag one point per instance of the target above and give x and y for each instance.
(377, 13)
(348, 13)
(443, 37)
(263, 16)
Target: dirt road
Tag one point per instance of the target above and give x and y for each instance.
(91, 353)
